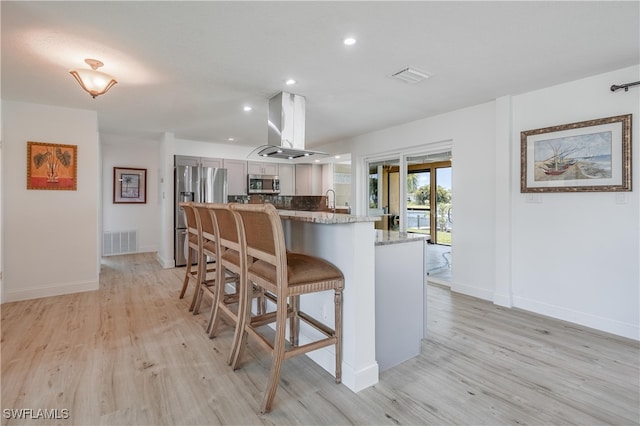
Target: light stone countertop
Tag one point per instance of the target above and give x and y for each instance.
(326, 218)
(395, 237)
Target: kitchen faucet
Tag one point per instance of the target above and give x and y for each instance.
(334, 199)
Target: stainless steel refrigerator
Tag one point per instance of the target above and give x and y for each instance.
(195, 179)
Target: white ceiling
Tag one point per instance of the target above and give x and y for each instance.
(189, 67)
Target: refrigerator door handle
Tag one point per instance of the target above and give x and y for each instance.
(186, 197)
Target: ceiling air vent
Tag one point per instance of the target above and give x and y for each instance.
(410, 75)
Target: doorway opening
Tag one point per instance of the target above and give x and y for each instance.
(414, 193)
(429, 209)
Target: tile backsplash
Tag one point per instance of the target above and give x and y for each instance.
(285, 202)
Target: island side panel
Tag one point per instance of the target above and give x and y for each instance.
(400, 295)
(350, 246)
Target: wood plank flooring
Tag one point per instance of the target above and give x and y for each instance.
(131, 354)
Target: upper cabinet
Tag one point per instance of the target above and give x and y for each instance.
(236, 177)
(308, 179)
(256, 168)
(287, 175)
(185, 160)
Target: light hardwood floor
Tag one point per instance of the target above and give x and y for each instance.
(131, 354)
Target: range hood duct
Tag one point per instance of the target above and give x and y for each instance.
(286, 128)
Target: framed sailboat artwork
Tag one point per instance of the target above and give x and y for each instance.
(588, 156)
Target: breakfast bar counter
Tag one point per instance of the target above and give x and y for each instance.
(347, 241)
(323, 217)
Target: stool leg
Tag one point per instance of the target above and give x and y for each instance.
(338, 334)
(199, 274)
(294, 321)
(218, 299)
(244, 318)
(278, 357)
(187, 272)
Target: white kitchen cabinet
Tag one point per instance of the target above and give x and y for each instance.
(212, 162)
(257, 168)
(308, 179)
(236, 177)
(186, 160)
(287, 175)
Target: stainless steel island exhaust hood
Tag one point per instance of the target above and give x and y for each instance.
(286, 128)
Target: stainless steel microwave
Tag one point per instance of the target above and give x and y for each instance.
(263, 184)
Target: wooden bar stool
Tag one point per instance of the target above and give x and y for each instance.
(230, 266)
(287, 276)
(193, 250)
(209, 247)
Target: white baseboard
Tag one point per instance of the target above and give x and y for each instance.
(502, 300)
(147, 249)
(608, 325)
(51, 290)
(355, 380)
(472, 291)
(165, 263)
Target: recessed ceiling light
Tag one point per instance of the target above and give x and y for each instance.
(290, 82)
(230, 139)
(349, 41)
(247, 108)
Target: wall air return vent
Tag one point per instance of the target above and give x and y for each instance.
(410, 75)
(119, 242)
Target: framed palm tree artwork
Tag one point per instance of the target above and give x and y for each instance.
(129, 185)
(52, 166)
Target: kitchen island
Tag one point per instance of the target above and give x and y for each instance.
(348, 241)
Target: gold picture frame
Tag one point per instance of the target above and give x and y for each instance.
(52, 166)
(586, 156)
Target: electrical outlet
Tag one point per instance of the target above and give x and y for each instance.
(534, 199)
(621, 198)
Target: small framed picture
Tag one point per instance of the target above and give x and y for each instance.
(129, 185)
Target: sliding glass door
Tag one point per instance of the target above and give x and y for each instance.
(429, 197)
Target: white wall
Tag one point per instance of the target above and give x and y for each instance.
(118, 151)
(50, 238)
(576, 255)
(502, 245)
(472, 133)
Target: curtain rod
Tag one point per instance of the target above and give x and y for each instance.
(624, 86)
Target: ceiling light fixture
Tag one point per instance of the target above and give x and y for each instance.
(349, 41)
(247, 108)
(94, 82)
(290, 82)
